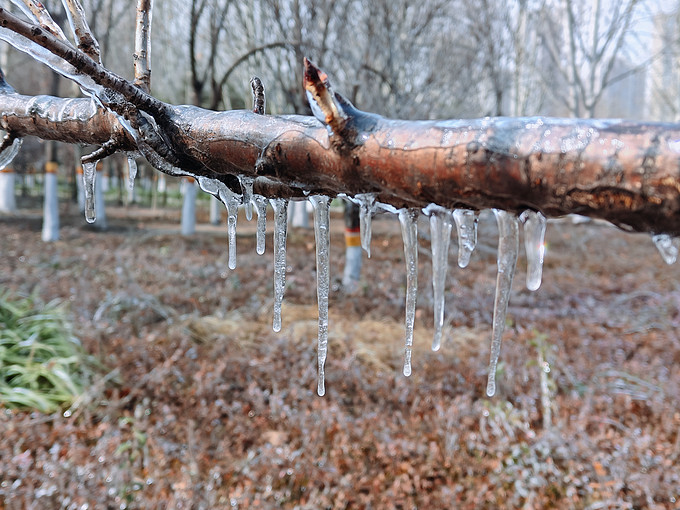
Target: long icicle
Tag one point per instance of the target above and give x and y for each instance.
(367, 208)
(89, 174)
(261, 207)
(280, 206)
(466, 227)
(534, 235)
(409, 232)
(132, 171)
(322, 234)
(440, 237)
(508, 246)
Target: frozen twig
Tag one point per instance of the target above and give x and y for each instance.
(259, 100)
(40, 15)
(81, 30)
(142, 56)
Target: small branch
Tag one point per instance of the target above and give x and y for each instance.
(109, 148)
(142, 55)
(259, 101)
(44, 18)
(81, 30)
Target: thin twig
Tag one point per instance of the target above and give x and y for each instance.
(84, 37)
(142, 55)
(43, 17)
(259, 100)
(104, 151)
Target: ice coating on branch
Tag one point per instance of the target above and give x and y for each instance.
(367, 208)
(466, 227)
(8, 155)
(231, 200)
(280, 206)
(668, 250)
(440, 237)
(323, 245)
(534, 234)
(89, 174)
(247, 189)
(261, 207)
(409, 232)
(52, 61)
(132, 171)
(508, 246)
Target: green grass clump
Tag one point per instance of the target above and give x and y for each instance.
(42, 365)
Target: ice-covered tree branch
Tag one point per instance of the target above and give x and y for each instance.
(627, 173)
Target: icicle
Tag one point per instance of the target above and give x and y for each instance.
(664, 243)
(440, 234)
(132, 171)
(231, 200)
(280, 206)
(367, 208)
(508, 246)
(8, 155)
(322, 234)
(534, 234)
(89, 173)
(409, 231)
(466, 227)
(261, 207)
(247, 189)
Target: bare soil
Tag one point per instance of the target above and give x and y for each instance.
(203, 406)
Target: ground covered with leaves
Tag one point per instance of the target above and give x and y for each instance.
(200, 405)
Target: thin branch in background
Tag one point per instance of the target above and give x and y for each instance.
(142, 55)
(84, 37)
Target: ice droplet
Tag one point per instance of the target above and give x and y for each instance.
(132, 171)
(668, 251)
(261, 207)
(322, 234)
(466, 227)
(367, 208)
(247, 189)
(280, 206)
(440, 237)
(89, 173)
(534, 234)
(8, 155)
(508, 246)
(409, 232)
